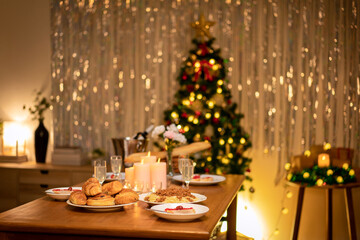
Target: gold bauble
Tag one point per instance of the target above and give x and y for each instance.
(218, 99)
(197, 106)
(209, 131)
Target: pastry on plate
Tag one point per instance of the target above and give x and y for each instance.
(91, 187)
(112, 188)
(78, 197)
(101, 200)
(126, 196)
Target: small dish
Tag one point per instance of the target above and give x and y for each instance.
(159, 210)
(61, 193)
(200, 198)
(215, 179)
(100, 208)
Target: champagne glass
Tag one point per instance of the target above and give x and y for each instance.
(182, 159)
(100, 170)
(187, 173)
(116, 162)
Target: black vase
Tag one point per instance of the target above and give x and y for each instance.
(41, 142)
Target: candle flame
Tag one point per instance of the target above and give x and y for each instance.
(142, 161)
(148, 153)
(159, 160)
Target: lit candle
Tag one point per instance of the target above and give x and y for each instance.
(323, 160)
(129, 175)
(158, 175)
(149, 159)
(142, 173)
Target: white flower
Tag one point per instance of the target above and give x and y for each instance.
(169, 135)
(180, 138)
(172, 128)
(158, 130)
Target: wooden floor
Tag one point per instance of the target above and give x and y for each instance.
(239, 236)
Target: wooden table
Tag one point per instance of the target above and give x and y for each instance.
(329, 190)
(45, 218)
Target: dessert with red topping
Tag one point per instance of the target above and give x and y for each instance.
(180, 209)
(65, 190)
(198, 178)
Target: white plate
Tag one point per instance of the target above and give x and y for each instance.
(100, 208)
(198, 196)
(59, 195)
(200, 211)
(216, 179)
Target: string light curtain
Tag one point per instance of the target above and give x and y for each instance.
(293, 68)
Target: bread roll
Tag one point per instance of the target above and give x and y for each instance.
(101, 200)
(78, 197)
(126, 196)
(112, 188)
(91, 187)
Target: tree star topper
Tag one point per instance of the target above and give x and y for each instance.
(202, 27)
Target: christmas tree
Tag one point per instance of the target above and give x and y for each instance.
(204, 111)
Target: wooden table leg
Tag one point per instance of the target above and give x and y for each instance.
(350, 214)
(300, 201)
(231, 220)
(329, 214)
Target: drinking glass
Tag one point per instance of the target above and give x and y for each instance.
(187, 173)
(155, 186)
(182, 159)
(116, 163)
(100, 170)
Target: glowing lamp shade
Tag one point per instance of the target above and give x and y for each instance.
(14, 138)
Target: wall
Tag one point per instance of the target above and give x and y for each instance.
(25, 66)
(24, 58)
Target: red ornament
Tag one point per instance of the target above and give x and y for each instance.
(181, 131)
(207, 170)
(204, 49)
(229, 101)
(207, 138)
(216, 120)
(168, 122)
(184, 77)
(248, 170)
(202, 121)
(190, 88)
(197, 113)
(184, 115)
(203, 88)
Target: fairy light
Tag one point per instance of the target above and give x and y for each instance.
(174, 115)
(199, 96)
(217, 115)
(230, 140)
(221, 141)
(186, 128)
(211, 104)
(212, 61)
(219, 90)
(220, 82)
(190, 118)
(242, 141)
(208, 115)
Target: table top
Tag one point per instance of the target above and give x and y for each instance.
(45, 215)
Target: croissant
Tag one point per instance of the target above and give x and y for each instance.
(101, 200)
(126, 196)
(112, 188)
(78, 197)
(91, 187)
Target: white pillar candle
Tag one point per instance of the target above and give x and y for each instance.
(158, 174)
(148, 159)
(129, 175)
(142, 174)
(323, 160)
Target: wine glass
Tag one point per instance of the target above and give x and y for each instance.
(100, 170)
(116, 162)
(182, 159)
(187, 173)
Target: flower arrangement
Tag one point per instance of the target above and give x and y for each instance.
(172, 137)
(41, 105)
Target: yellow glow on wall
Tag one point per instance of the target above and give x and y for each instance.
(247, 219)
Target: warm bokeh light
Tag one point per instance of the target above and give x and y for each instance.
(15, 133)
